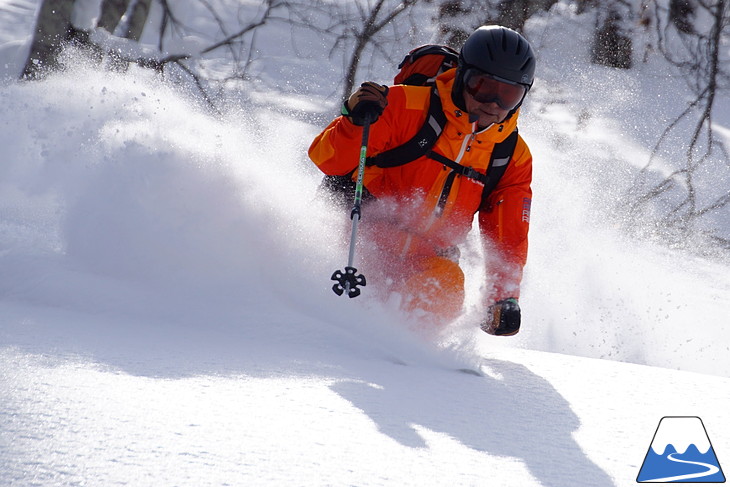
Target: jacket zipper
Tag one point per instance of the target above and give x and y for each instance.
(445, 190)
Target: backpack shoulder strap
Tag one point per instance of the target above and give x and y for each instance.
(501, 155)
(419, 144)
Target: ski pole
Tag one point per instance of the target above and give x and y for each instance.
(347, 281)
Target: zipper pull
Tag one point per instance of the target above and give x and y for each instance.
(472, 136)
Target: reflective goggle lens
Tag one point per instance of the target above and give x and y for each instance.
(486, 89)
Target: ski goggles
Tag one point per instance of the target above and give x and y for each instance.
(486, 88)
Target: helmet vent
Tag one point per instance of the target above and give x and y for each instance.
(518, 48)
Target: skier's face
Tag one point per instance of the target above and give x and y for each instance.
(489, 99)
(485, 114)
(486, 88)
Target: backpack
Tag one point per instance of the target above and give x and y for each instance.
(420, 67)
(423, 64)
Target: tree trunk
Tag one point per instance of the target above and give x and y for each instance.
(137, 20)
(514, 13)
(52, 30)
(682, 14)
(113, 11)
(611, 45)
(450, 17)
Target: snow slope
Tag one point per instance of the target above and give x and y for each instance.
(166, 317)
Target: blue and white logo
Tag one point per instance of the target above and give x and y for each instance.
(681, 452)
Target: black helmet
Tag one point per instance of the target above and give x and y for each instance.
(499, 51)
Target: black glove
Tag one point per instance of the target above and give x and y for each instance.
(366, 104)
(503, 318)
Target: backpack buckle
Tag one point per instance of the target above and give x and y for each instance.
(471, 173)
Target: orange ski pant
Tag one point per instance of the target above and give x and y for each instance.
(434, 285)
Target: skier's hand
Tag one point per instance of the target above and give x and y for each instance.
(503, 318)
(366, 104)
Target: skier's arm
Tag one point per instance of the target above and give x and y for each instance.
(505, 220)
(336, 150)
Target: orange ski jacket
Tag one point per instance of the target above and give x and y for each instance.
(423, 225)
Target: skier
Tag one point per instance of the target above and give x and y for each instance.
(422, 210)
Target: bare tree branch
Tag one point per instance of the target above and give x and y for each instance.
(700, 57)
(364, 36)
(269, 5)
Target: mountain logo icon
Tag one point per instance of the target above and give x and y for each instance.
(681, 452)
